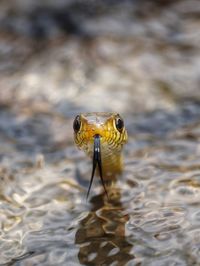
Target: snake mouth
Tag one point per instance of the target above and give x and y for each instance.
(97, 162)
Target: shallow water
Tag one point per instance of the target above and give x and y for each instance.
(151, 217)
(150, 74)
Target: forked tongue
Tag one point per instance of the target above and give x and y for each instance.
(97, 161)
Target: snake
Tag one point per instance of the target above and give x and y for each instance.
(101, 135)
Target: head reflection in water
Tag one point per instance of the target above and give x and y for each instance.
(101, 136)
(101, 235)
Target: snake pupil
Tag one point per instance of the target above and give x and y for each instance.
(119, 124)
(77, 124)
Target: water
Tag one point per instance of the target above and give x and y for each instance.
(150, 74)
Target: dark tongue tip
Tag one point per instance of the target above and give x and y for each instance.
(97, 161)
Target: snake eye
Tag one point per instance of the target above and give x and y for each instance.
(77, 124)
(119, 124)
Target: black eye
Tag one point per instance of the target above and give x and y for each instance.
(77, 124)
(119, 124)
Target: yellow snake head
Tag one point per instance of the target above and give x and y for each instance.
(101, 136)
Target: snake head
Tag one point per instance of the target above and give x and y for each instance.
(101, 136)
(109, 126)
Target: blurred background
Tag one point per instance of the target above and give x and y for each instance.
(140, 58)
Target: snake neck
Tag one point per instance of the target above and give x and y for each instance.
(112, 163)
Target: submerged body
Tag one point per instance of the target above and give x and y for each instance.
(101, 136)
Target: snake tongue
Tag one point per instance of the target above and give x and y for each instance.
(97, 161)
